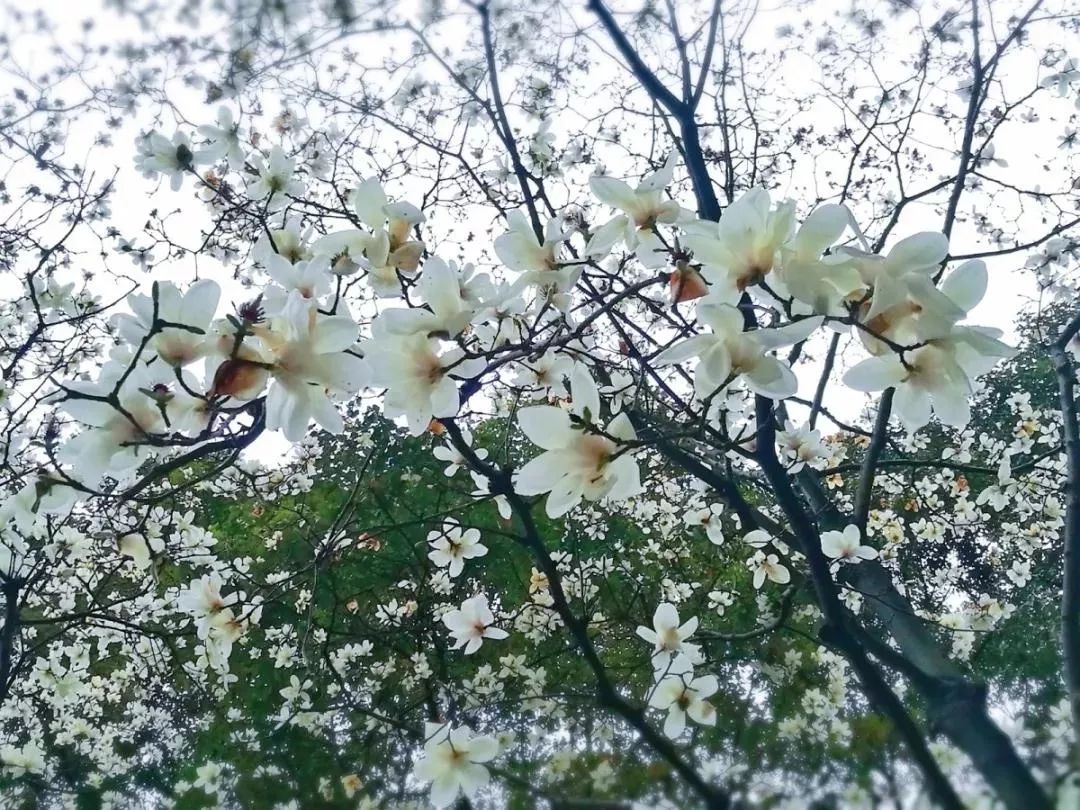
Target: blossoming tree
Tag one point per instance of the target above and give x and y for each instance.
(645, 442)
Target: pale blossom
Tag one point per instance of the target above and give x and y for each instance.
(742, 248)
(309, 362)
(274, 181)
(709, 518)
(452, 545)
(417, 375)
(682, 695)
(577, 463)
(668, 636)
(767, 567)
(179, 320)
(472, 623)
(643, 208)
(203, 601)
(174, 158)
(846, 545)
(224, 140)
(726, 351)
(519, 249)
(452, 762)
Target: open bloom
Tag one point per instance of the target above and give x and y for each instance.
(389, 249)
(846, 545)
(682, 695)
(190, 313)
(727, 350)
(519, 249)
(289, 242)
(575, 463)
(42, 495)
(224, 140)
(939, 372)
(451, 762)
(472, 623)
(158, 155)
(203, 601)
(668, 636)
(767, 567)
(824, 283)
(902, 287)
(309, 362)
(546, 375)
(274, 181)
(452, 546)
(417, 378)
(741, 249)
(801, 446)
(709, 519)
(643, 208)
(453, 457)
(135, 546)
(309, 277)
(447, 313)
(113, 441)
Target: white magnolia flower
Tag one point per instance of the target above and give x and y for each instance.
(14, 563)
(452, 762)
(742, 248)
(447, 313)
(708, 518)
(452, 546)
(308, 277)
(158, 155)
(42, 495)
(846, 545)
(30, 758)
(483, 490)
(274, 181)
(767, 567)
(472, 623)
(669, 637)
(224, 140)
(941, 372)
(206, 777)
(289, 242)
(547, 375)
(575, 463)
(113, 439)
(190, 313)
(135, 546)
(758, 538)
(726, 350)
(309, 361)
(903, 286)
(643, 208)
(681, 694)
(453, 458)
(203, 601)
(824, 283)
(389, 250)
(1062, 80)
(417, 378)
(801, 446)
(520, 250)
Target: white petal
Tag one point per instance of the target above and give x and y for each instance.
(875, 374)
(966, 285)
(920, 252)
(546, 426)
